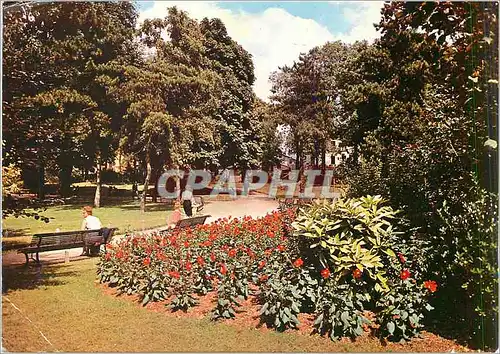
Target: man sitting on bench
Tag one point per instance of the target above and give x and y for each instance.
(89, 222)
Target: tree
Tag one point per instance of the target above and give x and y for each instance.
(239, 139)
(171, 99)
(55, 89)
(422, 88)
(308, 95)
(200, 83)
(270, 138)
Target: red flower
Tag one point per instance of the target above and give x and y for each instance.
(402, 259)
(325, 273)
(356, 273)
(281, 248)
(174, 274)
(147, 261)
(212, 257)
(267, 252)
(189, 266)
(223, 269)
(232, 253)
(270, 234)
(264, 277)
(405, 274)
(186, 244)
(109, 246)
(250, 253)
(298, 263)
(431, 285)
(161, 256)
(262, 264)
(119, 254)
(108, 256)
(200, 260)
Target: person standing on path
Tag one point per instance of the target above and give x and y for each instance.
(89, 222)
(187, 201)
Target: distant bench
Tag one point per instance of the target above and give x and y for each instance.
(92, 239)
(198, 199)
(188, 222)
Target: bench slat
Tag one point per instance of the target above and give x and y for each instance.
(196, 220)
(65, 240)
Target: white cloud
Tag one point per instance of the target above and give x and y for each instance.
(362, 16)
(274, 37)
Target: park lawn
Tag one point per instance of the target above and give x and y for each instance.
(125, 215)
(67, 305)
(70, 309)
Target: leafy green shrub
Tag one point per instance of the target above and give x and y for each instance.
(348, 234)
(474, 269)
(339, 311)
(231, 290)
(285, 291)
(355, 248)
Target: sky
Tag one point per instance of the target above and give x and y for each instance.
(275, 33)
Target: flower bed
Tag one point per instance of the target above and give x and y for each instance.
(332, 261)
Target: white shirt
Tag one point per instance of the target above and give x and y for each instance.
(187, 195)
(91, 223)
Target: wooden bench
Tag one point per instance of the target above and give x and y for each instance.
(188, 222)
(64, 240)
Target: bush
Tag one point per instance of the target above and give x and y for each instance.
(346, 235)
(355, 245)
(339, 311)
(110, 176)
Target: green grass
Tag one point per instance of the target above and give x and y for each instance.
(123, 214)
(67, 306)
(64, 302)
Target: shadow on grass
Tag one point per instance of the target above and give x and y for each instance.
(149, 207)
(89, 191)
(18, 277)
(122, 203)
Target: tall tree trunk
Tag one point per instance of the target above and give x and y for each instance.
(155, 175)
(133, 176)
(355, 155)
(41, 178)
(243, 173)
(323, 155)
(177, 183)
(146, 181)
(65, 178)
(97, 197)
(65, 168)
(316, 152)
(297, 155)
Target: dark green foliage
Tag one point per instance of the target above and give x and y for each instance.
(339, 311)
(429, 146)
(57, 114)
